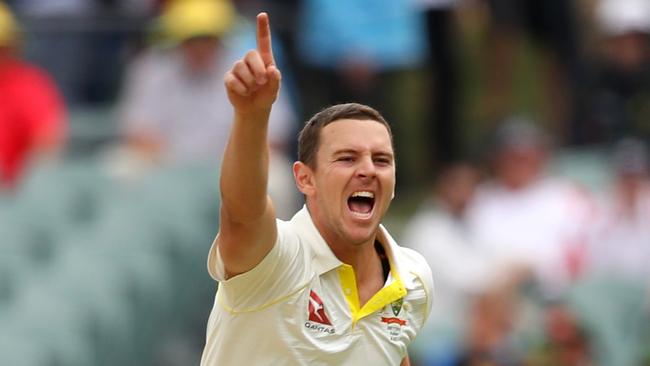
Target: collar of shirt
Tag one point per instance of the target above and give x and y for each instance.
(324, 261)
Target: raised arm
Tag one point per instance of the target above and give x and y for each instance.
(247, 226)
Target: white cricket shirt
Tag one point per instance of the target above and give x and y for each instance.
(300, 306)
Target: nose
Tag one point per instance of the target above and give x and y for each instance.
(366, 168)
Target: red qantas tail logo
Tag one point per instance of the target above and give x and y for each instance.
(317, 310)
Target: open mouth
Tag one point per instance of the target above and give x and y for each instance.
(361, 202)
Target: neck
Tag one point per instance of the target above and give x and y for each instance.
(361, 256)
(368, 269)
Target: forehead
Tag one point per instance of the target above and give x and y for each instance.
(355, 134)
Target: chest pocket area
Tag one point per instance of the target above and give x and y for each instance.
(321, 313)
(315, 322)
(403, 319)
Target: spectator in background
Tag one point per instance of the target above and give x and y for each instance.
(366, 51)
(620, 80)
(525, 219)
(551, 26)
(442, 116)
(566, 342)
(620, 242)
(489, 338)
(32, 114)
(439, 232)
(174, 107)
(83, 43)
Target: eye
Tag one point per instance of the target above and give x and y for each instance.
(346, 159)
(382, 161)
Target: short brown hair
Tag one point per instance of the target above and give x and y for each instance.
(309, 137)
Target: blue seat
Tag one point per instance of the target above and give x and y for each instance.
(18, 350)
(45, 318)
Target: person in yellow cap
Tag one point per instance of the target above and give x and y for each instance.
(186, 19)
(174, 109)
(8, 27)
(197, 26)
(32, 113)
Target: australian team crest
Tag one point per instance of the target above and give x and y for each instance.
(395, 324)
(396, 306)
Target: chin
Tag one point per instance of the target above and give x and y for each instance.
(361, 235)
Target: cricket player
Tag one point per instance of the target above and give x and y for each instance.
(330, 286)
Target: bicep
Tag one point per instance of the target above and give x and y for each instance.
(243, 245)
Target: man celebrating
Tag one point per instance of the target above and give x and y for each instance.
(330, 286)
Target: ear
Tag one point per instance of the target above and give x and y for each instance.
(304, 177)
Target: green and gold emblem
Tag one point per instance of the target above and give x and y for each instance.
(397, 306)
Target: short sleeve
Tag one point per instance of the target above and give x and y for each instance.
(285, 270)
(422, 291)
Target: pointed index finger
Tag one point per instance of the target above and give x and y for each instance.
(264, 39)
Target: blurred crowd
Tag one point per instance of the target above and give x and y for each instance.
(533, 265)
(532, 268)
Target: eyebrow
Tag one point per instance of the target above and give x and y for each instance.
(345, 151)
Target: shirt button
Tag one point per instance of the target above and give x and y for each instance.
(348, 291)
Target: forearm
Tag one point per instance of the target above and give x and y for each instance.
(247, 228)
(244, 171)
(406, 361)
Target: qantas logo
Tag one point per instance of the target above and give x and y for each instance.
(318, 320)
(317, 310)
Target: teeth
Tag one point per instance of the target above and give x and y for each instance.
(363, 194)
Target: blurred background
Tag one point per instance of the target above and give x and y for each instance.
(521, 133)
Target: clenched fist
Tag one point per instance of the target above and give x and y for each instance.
(254, 81)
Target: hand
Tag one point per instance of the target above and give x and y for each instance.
(253, 82)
